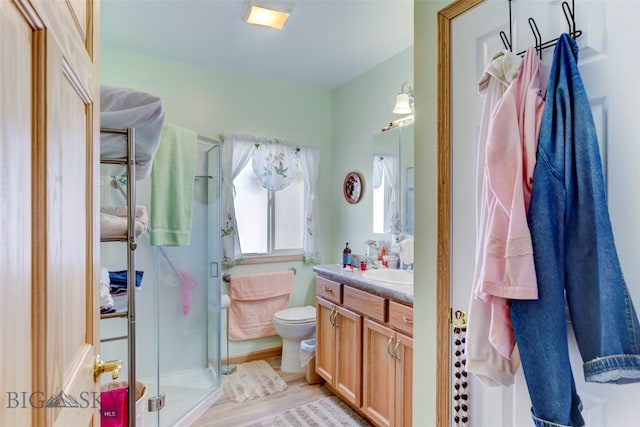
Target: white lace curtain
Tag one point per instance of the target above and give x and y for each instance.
(387, 165)
(276, 166)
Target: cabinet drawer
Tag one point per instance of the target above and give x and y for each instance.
(401, 317)
(365, 303)
(329, 289)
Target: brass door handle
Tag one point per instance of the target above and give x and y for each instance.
(100, 367)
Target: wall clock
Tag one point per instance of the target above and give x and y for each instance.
(352, 187)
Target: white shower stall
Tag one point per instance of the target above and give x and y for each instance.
(177, 305)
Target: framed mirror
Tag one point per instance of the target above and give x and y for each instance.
(392, 181)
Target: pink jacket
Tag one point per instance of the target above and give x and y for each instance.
(504, 254)
(512, 141)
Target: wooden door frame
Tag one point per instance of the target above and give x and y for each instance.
(443, 292)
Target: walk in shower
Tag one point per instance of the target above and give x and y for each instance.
(177, 305)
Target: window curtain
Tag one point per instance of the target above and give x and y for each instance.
(236, 153)
(378, 173)
(391, 168)
(275, 164)
(309, 161)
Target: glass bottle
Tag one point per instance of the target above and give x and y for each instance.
(346, 256)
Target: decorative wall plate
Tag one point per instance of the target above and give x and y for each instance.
(352, 187)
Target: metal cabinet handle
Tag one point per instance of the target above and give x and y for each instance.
(332, 318)
(395, 350)
(406, 320)
(389, 344)
(327, 289)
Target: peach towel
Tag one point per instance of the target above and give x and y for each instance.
(254, 300)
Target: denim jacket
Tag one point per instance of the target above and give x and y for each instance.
(575, 257)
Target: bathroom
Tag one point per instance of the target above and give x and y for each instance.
(331, 119)
(343, 117)
(342, 123)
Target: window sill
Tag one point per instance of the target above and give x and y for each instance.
(266, 259)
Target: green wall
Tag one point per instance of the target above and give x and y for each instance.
(360, 109)
(341, 122)
(424, 335)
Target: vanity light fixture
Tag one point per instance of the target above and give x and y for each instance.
(267, 16)
(404, 100)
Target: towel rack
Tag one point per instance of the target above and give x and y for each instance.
(227, 276)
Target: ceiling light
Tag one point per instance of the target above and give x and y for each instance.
(268, 17)
(404, 100)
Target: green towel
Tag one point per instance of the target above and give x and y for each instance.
(172, 187)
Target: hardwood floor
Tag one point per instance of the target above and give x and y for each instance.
(260, 412)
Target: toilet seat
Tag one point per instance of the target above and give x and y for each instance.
(296, 315)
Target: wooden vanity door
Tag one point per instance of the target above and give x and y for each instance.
(325, 340)
(348, 381)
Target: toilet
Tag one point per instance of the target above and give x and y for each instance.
(294, 325)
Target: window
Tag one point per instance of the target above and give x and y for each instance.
(269, 222)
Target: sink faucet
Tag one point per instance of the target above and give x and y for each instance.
(406, 253)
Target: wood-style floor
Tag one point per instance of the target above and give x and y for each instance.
(260, 412)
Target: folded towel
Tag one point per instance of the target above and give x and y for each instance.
(172, 178)
(114, 221)
(106, 301)
(118, 279)
(255, 298)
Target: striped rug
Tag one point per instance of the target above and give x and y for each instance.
(325, 412)
(252, 380)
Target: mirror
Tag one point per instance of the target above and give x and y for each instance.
(393, 181)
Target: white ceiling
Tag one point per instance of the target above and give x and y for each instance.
(325, 43)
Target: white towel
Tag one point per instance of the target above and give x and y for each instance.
(114, 221)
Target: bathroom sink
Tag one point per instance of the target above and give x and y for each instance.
(389, 275)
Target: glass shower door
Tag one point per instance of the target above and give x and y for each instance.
(188, 321)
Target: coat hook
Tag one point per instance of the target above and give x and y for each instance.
(508, 42)
(569, 15)
(536, 35)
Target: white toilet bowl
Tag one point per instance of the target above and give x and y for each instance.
(294, 325)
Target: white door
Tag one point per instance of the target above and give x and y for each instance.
(606, 57)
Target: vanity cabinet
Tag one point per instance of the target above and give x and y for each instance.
(364, 351)
(387, 375)
(339, 345)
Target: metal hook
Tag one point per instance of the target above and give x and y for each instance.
(536, 35)
(508, 42)
(569, 15)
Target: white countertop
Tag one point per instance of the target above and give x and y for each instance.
(403, 293)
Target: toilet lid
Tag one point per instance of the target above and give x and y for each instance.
(304, 314)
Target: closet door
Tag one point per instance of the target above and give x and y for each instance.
(49, 252)
(604, 51)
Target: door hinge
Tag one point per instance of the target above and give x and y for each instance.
(156, 403)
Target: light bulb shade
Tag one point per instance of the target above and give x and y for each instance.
(403, 104)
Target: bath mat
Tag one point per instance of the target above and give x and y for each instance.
(252, 380)
(325, 412)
